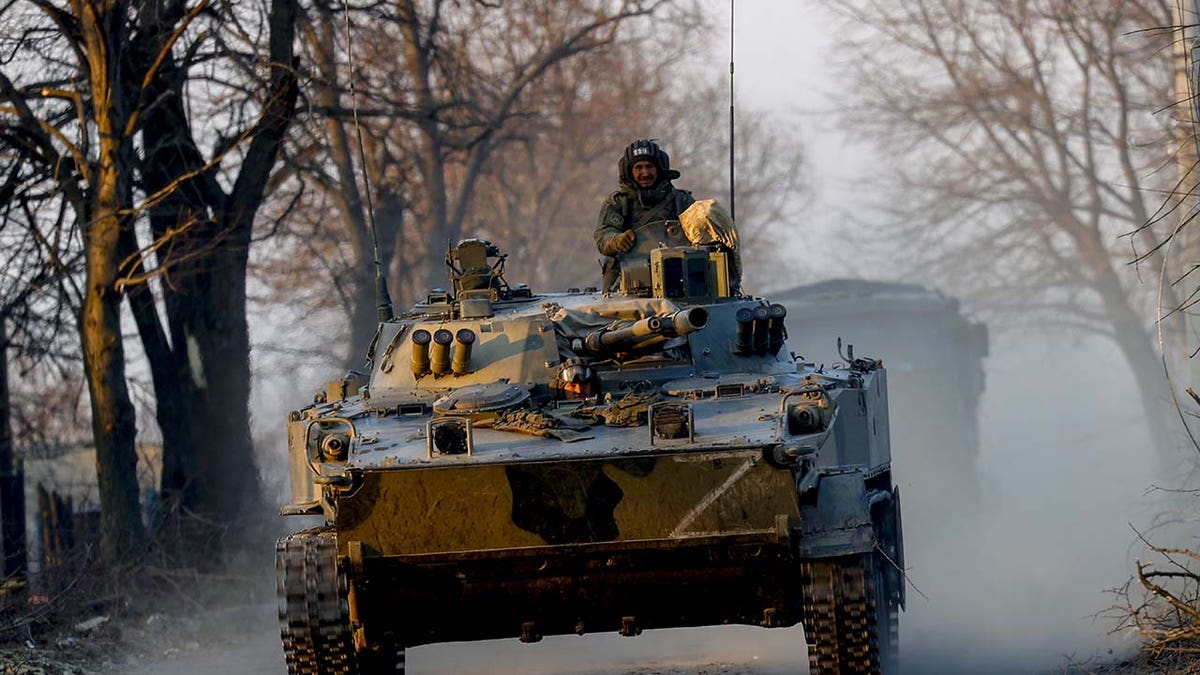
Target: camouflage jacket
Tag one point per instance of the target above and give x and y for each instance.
(626, 207)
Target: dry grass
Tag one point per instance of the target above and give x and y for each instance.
(1161, 603)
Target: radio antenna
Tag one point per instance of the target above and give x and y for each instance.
(732, 203)
(384, 308)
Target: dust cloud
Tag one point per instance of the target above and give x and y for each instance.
(726, 649)
(1015, 577)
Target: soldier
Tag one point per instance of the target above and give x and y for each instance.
(646, 196)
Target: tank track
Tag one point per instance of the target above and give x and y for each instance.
(314, 615)
(846, 606)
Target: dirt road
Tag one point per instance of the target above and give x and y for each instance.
(245, 641)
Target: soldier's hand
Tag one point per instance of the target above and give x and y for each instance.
(624, 241)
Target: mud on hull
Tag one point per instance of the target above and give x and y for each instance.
(620, 544)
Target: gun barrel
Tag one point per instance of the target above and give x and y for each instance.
(648, 332)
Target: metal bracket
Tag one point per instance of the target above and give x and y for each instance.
(385, 361)
(810, 389)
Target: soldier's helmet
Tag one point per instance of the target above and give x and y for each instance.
(576, 380)
(645, 149)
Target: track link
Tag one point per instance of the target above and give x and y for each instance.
(846, 605)
(820, 617)
(314, 616)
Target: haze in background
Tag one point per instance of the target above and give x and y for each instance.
(1015, 581)
(784, 60)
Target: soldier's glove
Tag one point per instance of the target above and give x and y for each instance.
(624, 241)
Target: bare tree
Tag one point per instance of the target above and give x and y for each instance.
(201, 209)
(86, 173)
(92, 109)
(542, 197)
(36, 300)
(1161, 603)
(771, 181)
(1023, 145)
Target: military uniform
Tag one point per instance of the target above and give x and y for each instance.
(629, 206)
(633, 208)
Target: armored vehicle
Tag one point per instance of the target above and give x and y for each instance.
(519, 464)
(934, 357)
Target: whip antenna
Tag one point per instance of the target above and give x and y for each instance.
(732, 207)
(384, 308)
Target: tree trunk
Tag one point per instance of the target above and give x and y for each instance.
(12, 485)
(365, 315)
(432, 161)
(234, 490)
(113, 421)
(1137, 346)
(218, 347)
(181, 219)
(170, 410)
(349, 202)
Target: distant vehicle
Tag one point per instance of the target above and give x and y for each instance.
(520, 464)
(934, 357)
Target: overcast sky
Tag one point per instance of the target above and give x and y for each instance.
(785, 63)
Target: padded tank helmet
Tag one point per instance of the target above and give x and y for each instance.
(645, 149)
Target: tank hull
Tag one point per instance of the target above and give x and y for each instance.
(615, 544)
(662, 540)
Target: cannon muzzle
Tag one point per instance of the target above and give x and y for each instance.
(689, 320)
